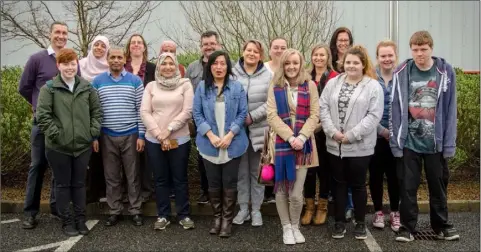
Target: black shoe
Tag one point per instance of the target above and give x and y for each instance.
(82, 228)
(29, 223)
(360, 231)
(137, 219)
(404, 235)
(448, 234)
(203, 198)
(339, 231)
(112, 220)
(70, 230)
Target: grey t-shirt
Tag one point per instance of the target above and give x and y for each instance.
(423, 97)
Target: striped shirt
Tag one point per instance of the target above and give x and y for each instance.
(120, 99)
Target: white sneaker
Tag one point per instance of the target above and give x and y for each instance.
(378, 220)
(288, 236)
(298, 237)
(242, 215)
(256, 218)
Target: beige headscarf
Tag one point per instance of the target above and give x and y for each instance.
(169, 83)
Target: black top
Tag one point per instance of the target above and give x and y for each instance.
(149, 73)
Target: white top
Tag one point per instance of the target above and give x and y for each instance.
(220, 119)
(268, 66)
(70, 84)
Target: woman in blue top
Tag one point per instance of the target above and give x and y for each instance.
(220, 109)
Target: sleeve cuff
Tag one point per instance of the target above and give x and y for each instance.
(449, 152)
(303, 138)
(350, 136)
(203, 128)
(396, 152)
(142, 136)
(235, 128)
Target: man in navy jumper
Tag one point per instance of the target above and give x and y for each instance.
(122, 134)
(40, 68)
(423, 133)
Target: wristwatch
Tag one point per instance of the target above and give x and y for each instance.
(170, 128)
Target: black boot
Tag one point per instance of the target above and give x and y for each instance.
(68, 226)
(229, 200)
(215, 196)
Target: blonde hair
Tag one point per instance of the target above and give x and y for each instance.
(361, 52)
(258, 45)
(329, 57)
(387, 43)
(280, 79)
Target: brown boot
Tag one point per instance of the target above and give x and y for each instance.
(215, 196)
(229, 200)
(321, 212)
(309, 212)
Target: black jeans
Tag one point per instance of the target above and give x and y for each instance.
(95, 183)
(36, 173)
(409, 174)
(383, 162)
(70, 173)
(164, 165)
(322, 171)
(223, 176)
(350, 172)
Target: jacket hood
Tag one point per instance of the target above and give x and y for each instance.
(239, 66)
(441, 64)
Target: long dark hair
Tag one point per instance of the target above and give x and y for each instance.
(333, 46)
(209, 77)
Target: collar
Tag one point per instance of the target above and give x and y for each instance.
(50, 50)
(123, 73)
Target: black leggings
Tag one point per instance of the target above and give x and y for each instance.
(322, 171)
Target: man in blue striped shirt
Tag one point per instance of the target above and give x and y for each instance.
(122, 135)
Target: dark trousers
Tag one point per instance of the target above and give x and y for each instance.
(223, 176)
(36, 173)
(383, 162)
(409, 174)
(322, 171)
(350, 172)
(70, 173)
(166, 164)
(146, 179)
(95, 183)
(117, 152)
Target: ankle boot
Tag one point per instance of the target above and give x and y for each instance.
(321, 212)
(229, 199)
(215, 196)
(309, 212)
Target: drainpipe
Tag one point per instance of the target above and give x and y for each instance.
(394, 21)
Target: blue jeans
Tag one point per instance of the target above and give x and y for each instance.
(165, 164)
(36, 172)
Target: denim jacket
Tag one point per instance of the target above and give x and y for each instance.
(236, 112)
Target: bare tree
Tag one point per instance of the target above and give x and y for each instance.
(29, 21)
(302, 23)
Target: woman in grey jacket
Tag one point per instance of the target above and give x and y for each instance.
(255, 78)
(351, 108)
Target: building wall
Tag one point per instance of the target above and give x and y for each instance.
(454, 27)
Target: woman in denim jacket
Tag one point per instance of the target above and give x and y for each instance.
(220, 109)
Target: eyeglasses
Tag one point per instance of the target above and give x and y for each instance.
(343, 40)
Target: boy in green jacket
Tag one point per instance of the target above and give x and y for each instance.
(70, 116)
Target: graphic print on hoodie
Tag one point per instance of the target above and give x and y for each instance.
(423, 96)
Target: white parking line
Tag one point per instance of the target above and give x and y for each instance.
(63, 245)
(10, 221)
(371, 242)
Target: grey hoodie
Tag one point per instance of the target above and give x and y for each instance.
(445, 121)
(256, 86)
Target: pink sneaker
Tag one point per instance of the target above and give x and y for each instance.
(395, 220)
(378, 220)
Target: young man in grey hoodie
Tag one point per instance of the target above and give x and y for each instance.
(423, 130)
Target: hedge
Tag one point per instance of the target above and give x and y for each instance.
(17, 120)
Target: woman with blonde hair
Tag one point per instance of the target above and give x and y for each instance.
(293, 114)
(351, 108)
(321, 72)
(383, 161)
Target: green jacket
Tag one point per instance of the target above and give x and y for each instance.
(69, 120)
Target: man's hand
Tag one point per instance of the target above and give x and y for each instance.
(140, 145)
(226, 140)
(248, 120)
(95, 145)
(385, 134)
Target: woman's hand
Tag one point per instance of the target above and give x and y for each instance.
(214, 140)
(166, 144)
(226, 140)
(338, 137)
(297, 144)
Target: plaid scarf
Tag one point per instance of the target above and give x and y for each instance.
(287, 158)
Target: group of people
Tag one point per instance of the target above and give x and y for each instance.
(335, 120)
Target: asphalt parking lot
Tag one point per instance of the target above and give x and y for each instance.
(126, 237)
